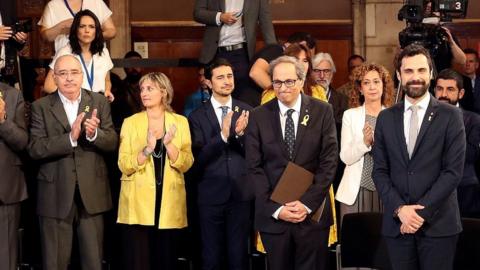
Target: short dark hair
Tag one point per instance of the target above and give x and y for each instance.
(98, 42)
(217, 62)
(471, 51)
(131, 54)
(298, 37)
(450, 74)
(410, 51)
(355, 56)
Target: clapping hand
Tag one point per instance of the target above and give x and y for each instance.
(170, 134)
(91, 124)
(241, 123)
(368, 134)
(77, 127)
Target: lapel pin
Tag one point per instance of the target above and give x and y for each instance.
(430, 117)
(305, 120)
(87, 109)
(236, 109)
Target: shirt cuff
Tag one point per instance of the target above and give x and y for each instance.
(225, 140)
(217, 18)
(309, 211)
(74, 143)
(275, 215)
(93, 138)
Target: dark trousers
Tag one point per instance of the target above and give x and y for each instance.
(241, 69)
(224, 234)
(56, 239)
(149, 248)
(9, 222)
(302, 246)
(414, 252)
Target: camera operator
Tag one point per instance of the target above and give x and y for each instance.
(10, 42)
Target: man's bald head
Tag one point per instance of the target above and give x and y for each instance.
(68, 58)
(68, 76)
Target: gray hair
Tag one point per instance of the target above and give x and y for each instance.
(301, 73)
(321, 56)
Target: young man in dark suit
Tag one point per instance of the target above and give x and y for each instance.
(13, 190)
(71, 129)
(292, 128)
(419, 153)
(449, 89)
(224, 195)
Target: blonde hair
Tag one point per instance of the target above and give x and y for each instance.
(162, 81)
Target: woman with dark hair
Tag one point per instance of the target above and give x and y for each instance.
(372, 92)
(87, 44)
(310, 87)
(155, 151)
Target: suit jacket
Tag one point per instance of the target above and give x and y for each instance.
(266, 155)
(254, 11)
(472, 131)
(63, 167)
(352, 151)
(430, 177)
(339, 104)
(220, 169)
(13, 139)
(137, 194)
(476, 95)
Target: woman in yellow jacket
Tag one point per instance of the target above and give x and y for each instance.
(155, 151)
(311, 88)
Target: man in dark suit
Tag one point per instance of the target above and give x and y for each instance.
(10, 42)
(470, 70)
(230, 33)
(419, 154)
(71, 129)
(292, 128)
(13, 190)
(449, 89)
(224, 195)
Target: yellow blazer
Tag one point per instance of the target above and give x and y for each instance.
(137, 193)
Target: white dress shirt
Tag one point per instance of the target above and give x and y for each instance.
(283, 119)
(407, 114)
(473, 82)
(235, 33)
(218, 112)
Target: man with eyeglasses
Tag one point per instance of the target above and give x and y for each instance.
(71, 129)
(292, 127)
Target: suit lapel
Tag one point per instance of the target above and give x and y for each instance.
(222, 5)
(276, 126)
(427, 120)
(399, 110)
(302, 123)
(212, 117)
(58, 111)
(85, 104)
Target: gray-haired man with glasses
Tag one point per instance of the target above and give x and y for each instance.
(296, 128)
(71, 129)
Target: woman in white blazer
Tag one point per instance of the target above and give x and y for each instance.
(372, 92)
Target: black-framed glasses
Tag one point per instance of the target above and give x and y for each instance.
(277, 84)
(324, 71)
(63, 74)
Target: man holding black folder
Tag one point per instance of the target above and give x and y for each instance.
(292, 128)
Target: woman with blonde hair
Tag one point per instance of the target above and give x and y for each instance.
(155, 152)
(372, 92)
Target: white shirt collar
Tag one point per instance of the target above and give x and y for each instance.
(296, 106)
(64, 99)
(217, 104)
(422, 104)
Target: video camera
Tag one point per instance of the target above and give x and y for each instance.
(431, 36)
(24, 26)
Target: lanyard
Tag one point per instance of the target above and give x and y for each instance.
(88, 74)
(70, 9)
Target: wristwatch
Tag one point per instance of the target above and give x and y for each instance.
(146, 153)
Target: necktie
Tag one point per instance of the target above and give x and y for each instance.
(290, 134)
(224, 111)
(413, 130)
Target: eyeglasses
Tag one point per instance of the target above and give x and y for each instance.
(64, 74)
(277, 84)
(324, 71)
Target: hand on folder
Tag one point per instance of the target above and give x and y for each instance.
(294, 212)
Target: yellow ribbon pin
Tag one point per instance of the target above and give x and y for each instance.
(87, 109)
(236, 108)
(305, 120)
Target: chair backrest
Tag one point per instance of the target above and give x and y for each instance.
(362, 244)
(468, 246)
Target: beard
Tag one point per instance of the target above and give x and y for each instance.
(449, 101)
(415, 92)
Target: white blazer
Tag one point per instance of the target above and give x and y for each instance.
(352, 150)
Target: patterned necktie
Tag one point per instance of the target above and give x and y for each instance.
(413, 130)
(290, 134)
(224, 111)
